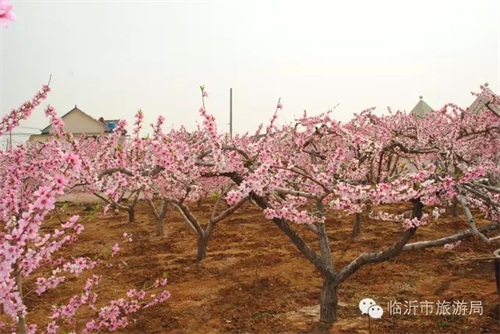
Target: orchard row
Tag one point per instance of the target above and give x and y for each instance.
(295, 173)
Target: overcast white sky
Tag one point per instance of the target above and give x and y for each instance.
(113, 57)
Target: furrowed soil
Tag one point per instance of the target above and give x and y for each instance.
(254, 280)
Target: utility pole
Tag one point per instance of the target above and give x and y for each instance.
(231, 112)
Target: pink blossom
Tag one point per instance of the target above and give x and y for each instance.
(269, 213)
(115, 249)
(6, 13)
(45, 202)
(452, 245)
(10, 252)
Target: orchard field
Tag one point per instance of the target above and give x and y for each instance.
(383, 224)
(386, 222)
(251, 284)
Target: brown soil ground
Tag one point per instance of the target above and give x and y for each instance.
(255, 281)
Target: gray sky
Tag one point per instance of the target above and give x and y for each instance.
(113, 57)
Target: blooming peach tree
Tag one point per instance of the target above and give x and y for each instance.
(187, 176)
(172, 169)
(297, 173)
(102, 156)
(32, 175)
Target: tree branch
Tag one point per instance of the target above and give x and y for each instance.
(186, 214)
(228, 211)
(449, 239)
(153, 172)
(295, 193)
(294, 237)
(469, 217)
(374, 257)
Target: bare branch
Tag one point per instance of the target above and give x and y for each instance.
(324, 244)
(495, 238)
(232, 175)
(219, 199)
(228, 211)
(451, 238)
(235, 149)
(464, 133)
(296, 193)
(312, 227)
(374, 257)
(301, 173)
(404, 149)
(486, 198)
(153, 172)
(470, 219)
(111, 171)
(109, 201)
(190, 220)
(301, 245)
(487, 187)
(153, 207)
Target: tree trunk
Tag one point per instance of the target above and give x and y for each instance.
(21, 321)
(417, 211)
(131, 215)
(356, 225)
(160, 216)
(329, 298)
(328, 302)
(199, 203)
(159, 227)
(202, 248)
